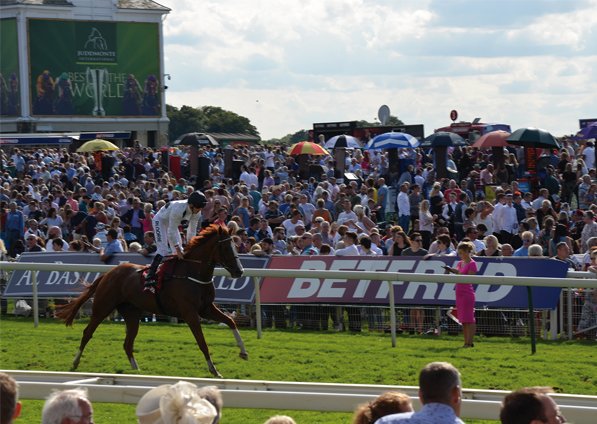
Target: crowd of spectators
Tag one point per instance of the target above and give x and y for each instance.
(54, 200)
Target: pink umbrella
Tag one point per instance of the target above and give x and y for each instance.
(493, 139)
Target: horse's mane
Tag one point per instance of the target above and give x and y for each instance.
(206, 234)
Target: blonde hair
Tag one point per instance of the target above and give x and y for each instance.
(466, 245)
(385, 404)
(359, 211)
(435, 189)
(496, 243)
(234, 226)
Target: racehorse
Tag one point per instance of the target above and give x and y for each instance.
(183, 296)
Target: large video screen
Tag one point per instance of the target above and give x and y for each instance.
(93, 68)
(10, 96)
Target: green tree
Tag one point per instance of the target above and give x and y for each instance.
(392, 120)
(206, 119)
(184, 120)
(224, 121)
(297, 137)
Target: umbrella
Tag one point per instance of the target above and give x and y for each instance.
(493, 139)
(196, 139)
(307, 148)
(588, 132)
(533, 137)
(346, 141)
(392, 140)
(96, 145)
(442, 138)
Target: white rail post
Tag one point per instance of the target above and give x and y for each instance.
(392, 314)
(569, 313)
(257, 306)
(35, 305)
(561, 309)
(553, 327)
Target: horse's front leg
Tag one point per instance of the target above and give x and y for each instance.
(194, 322)
(214, 314)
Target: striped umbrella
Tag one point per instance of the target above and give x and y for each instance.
(307, 148)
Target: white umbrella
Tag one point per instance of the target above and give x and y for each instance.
(346, 141)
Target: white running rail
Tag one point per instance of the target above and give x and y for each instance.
(280, 395)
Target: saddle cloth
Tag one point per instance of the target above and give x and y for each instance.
(163, 274)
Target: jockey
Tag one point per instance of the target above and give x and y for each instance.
(166, 223)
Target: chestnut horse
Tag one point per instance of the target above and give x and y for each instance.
(188, 295)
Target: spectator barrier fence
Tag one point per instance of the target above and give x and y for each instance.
(280, 395)
(392, 279)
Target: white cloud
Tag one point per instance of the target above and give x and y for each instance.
(315, 61)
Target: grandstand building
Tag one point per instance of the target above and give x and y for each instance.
(93, 66)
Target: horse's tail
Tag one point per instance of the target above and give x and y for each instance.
(69, 311)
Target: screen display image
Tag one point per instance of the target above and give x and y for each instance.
(10, 100)
(92, 68)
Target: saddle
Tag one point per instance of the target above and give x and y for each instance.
(163, 274)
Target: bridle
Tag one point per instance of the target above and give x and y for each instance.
(235, 256)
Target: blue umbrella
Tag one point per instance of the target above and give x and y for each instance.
(588, 132)
(442, 138)
(392, 140)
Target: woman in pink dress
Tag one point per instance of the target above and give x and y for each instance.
(465, 295)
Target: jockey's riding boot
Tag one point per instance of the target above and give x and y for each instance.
(150, 279)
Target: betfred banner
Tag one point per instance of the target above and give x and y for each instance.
(62, 284)
(331, 290)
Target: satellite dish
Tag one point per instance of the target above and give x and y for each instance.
(383, 114)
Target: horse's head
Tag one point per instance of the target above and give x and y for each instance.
(227, 256)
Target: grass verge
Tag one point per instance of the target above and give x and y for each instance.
(293, 355)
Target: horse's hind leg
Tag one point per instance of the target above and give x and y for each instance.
(214, 314)
(96, 319)
(191, 317)
(131, 315)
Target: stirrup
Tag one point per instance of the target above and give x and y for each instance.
(150, 283)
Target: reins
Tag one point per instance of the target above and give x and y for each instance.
(220, 241)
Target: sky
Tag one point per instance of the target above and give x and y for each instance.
(288, 64)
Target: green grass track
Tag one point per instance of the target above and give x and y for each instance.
(292, 355)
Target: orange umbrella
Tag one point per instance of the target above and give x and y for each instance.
(307, 148)
(493, 139)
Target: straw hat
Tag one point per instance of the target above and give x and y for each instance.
(178, 403)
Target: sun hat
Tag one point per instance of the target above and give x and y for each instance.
(178, 403)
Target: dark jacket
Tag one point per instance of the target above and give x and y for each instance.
(127, 218)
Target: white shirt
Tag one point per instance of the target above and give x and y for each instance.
(308, 210)
(174, 213)
(269, 160)
(253, 180)
(506, 218)
(537, 203)
(343, 217)
(589, 153)
(348, 251)
(50, 246)
(479, 245)
(246, 178)
(403, 204)
(290, 227)
(446, 210)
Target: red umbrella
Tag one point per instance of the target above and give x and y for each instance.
(307, 148)
(493, 139)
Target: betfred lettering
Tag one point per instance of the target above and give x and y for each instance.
(281, 290)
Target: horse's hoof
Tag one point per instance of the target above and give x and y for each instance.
(244, 356)
(218, 375)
